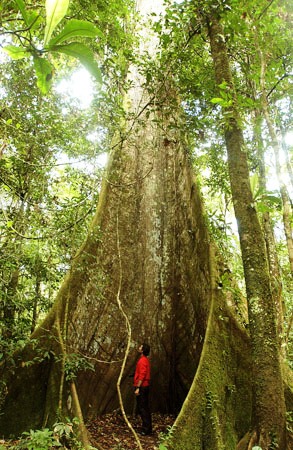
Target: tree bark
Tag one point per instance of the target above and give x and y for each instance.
(287, 159)
(287, 210)
(269, 403)
(272, 256)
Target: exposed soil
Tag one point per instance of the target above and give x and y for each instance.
(110, 432)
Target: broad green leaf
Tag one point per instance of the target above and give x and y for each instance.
(16, 52)
(75, 28)
(274, 199)
(263, 208)
(44, 72)
(84, 54)
(217, 100)
(21, 7)
(55, 11)
(223, 85)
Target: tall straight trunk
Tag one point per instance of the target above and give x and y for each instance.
(272, 256)
(36, 301)
(287, 159)
(287, 210)
(269, 403)
(9, 308)
(13, 274)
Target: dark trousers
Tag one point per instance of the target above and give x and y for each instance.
(143, 409)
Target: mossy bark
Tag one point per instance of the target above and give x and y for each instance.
(272, 256)
(286, 201)
(218, 408)
(269, 402)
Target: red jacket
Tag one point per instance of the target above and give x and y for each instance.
(142, 371)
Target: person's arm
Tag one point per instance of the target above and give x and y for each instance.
(137, 387)
(142, 370)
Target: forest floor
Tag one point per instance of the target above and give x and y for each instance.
(110, 432)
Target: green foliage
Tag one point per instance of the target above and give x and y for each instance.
(47, 203)
(30, 17)
(46, 199)
(16, 52)
(75, 363)
(226, 100)
(265, 201)
(75, 28)
(44, 72)
(62, 436)
(65, 433)
(166, 437)
(64, 429)
(38, 440)
(211, 400)
(55, 12)
(81, 52)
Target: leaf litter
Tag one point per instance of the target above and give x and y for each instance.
(110, 431)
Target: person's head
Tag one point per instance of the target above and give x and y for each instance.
(145, 349)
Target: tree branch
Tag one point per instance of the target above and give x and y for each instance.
(278, 82)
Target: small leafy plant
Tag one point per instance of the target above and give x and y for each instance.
(165, 437)
(64, 432)
(38, 440)
(74, 363)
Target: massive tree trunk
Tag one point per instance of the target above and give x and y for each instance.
(148, 244)
(269, 402)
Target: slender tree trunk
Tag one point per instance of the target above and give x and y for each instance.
(36, 302)
(269, 400)
(272, 256)
(288, 163)
(9, 308)
(287, 210)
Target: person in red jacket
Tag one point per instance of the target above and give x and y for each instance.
(142, 377)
